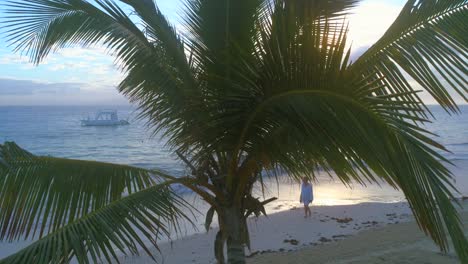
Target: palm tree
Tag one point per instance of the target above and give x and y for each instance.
(245, 87)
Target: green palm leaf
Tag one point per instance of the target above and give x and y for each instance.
(428, 41)
(58, 23)
(122, 225)
(318, 137)
(267, 85)
(310, 102)
(42, 194)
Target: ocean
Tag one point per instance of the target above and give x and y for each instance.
(57, 131)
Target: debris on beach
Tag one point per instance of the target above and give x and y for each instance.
(324, 240)
(343, 220)
(293, 242)
(340, 236)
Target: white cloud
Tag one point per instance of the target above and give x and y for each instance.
(83, 98)
(103, 70)
(27, 87)
(13, 59)
(70, 66)
(57, 67)
(10, 58)
(25, 92)
(91, 66)
(87, 54)
(369, 22)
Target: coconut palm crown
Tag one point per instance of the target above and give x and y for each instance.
(243, 90)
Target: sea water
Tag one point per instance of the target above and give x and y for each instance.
(57, 131)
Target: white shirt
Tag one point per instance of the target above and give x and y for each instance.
(307, 194)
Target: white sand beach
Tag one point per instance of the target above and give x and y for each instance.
(289, 231)
(147, 131)
(361, 233)
(396, 244)
(286, 233)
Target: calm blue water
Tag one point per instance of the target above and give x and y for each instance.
(452, 131)
(56, 131)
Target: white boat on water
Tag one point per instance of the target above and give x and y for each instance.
(104, 118)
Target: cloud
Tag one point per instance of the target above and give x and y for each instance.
(13, 59)
(27, 87)
(84, 54)
(369, 22)
(7, 57)
(27, 92)
(71, 66)
(356, 53)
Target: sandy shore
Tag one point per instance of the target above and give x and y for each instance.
(361, 233)
(285, 229)
(330, 235)
(288, 231)
(401, 243)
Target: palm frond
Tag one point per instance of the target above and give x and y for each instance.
(123, 225)
(309, 101)
(310, 129)
(427, 43)
(38, 195)
(159, 30)
(267, 85)
(216, 28)
(299, 49)
(58, 23)
(158, 77)
(220, 35)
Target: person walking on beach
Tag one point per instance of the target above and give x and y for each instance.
(307, 196)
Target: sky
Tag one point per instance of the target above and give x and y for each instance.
(78, 76)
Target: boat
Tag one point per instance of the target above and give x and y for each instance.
(104, 118)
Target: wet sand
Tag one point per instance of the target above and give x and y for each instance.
(397, 243)
(286, 231)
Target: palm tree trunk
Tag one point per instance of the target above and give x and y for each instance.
(235, 242)
(235, 251)
(219, 247)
